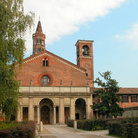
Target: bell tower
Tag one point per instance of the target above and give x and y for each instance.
(84, 50)
(38, 40)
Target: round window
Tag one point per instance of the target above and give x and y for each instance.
(45, 80)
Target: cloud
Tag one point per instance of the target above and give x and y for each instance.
(131, 36)
(62, 17)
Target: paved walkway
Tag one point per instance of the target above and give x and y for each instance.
(62, 131)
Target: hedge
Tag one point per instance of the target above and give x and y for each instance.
(127, 130)
(119, 126)
(89, 124)
(17, 130)
(70, 123)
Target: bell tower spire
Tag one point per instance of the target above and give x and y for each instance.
(38, 39)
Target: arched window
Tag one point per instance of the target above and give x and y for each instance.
(85, 50)
(78, 52)
(43, 42)
(45, 62)
(38, 41)
(39, 50)
(45, 80)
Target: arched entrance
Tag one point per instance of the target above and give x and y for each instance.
(45, 115)
(46, 111)
(80, 109)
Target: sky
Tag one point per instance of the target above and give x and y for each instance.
(112, 24)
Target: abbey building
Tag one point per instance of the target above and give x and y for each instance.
(54, 89)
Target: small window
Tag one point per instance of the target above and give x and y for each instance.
(43, 43)
(39, 50)
(38, 41)
(45, 80)
(34, 50)
(133, 98)
(93, 96)
(45, 62)
(77, 52)
(125, 98)
(86, 74)
(34, 42)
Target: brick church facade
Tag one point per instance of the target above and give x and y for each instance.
(54, 89)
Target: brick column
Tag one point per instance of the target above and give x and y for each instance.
(89, 111)
(20, 111)
(19, 114)
(54, 114)
(72, 109)
(31, 109)
(61, 112)
(38, 115)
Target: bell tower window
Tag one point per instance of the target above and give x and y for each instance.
(38, 41)
(77, 51)
(39, 50)
(45, 62)
(85, 50)
(43, 43)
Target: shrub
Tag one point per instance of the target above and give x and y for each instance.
(16, 129)
(100, 124)
(115, 128)
(127, 130)
(80, 124)
(70, 123)
(92, 124)
(88, 125)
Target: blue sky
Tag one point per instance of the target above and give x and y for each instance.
(112, 24)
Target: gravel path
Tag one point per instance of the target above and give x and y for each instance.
(62, 131)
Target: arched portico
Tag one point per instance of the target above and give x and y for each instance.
(46, 111)
(80, 109)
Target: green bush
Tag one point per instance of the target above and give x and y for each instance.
(17, 129)
(88, 125)
(80, 124)
(70, 123)
(127, 130)
(100, 124)
(115, 128)
(92, 124)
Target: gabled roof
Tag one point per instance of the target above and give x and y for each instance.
(122, 90)
(40, 54)
(128, 91)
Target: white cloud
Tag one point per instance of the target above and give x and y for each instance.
(131, 36)
(61, 17)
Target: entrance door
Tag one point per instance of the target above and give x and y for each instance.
(45, 115)
(67, 114)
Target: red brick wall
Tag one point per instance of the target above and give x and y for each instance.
(56, 71)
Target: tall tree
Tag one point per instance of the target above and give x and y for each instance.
(107, 103)
(13, 25)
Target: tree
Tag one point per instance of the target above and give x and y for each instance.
(107, 103)
(13, 25)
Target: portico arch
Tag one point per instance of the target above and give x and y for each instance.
(80, 109)
(46, 111)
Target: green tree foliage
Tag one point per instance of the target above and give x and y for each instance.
(13, 25)
(107, 103)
